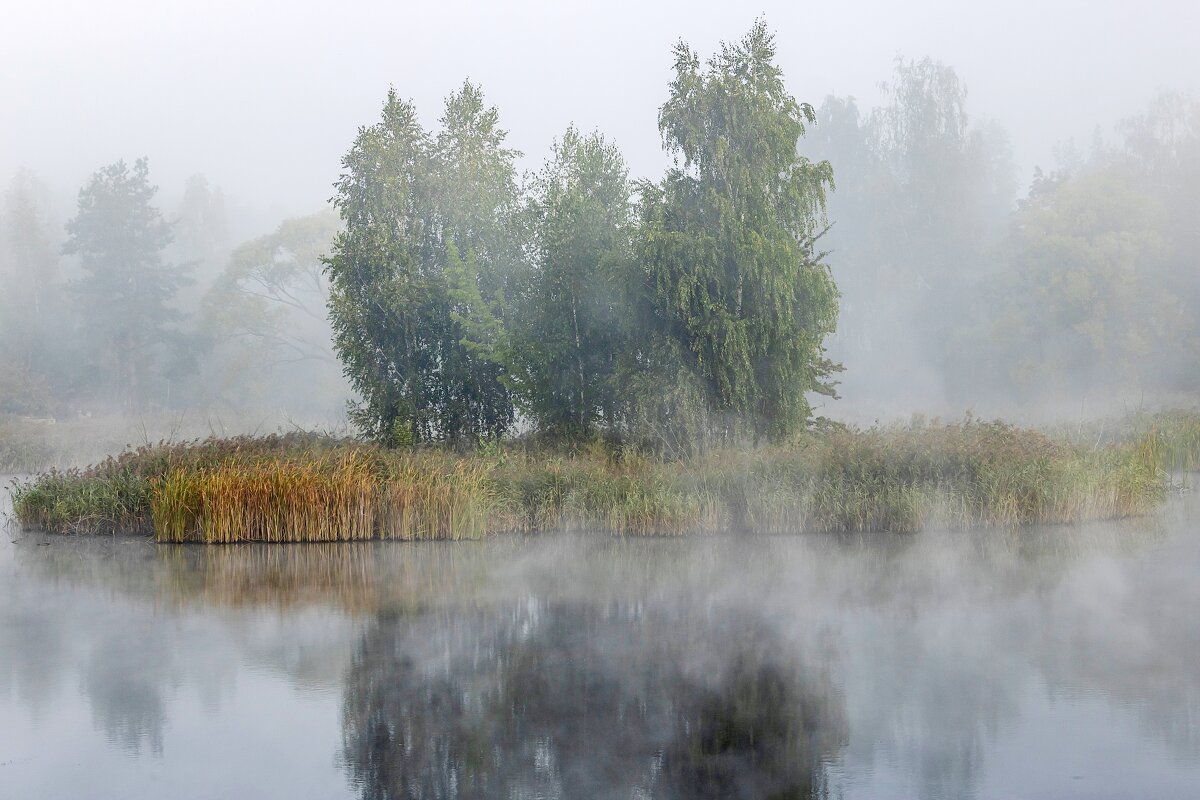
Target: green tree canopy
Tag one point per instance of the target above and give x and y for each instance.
(477, 246)
(420, 215)
(728, 239)
(1096, 293)
(569, 313)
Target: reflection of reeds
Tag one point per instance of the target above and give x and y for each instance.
(314, 489)
(352, 576)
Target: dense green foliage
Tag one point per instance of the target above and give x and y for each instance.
(466, 302)
(455, 298)
(418, 214)
(1077, 306)
(1096, 290)
(569, 324)
(728, 237)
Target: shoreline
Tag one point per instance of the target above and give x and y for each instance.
(303, 487)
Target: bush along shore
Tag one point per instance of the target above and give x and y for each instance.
(307, 487)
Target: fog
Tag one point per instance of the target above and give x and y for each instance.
(245, 110)
(264, 97)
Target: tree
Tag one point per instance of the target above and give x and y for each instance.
(477, 246)
(1095, 292)
(381, 301)
(274, 292)
(201, 229)
(923, 195)
(1162, 152)
(124, 298)
(728, 237)
(414, 210)
(954, 178)
(31, 306)
(569, 312)
(1083, 253)
(268, 311)
(1092, 297)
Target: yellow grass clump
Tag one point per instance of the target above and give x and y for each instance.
(340, 497)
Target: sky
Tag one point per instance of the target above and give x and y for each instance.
(263, 98)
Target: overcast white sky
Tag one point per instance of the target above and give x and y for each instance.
(264, 97)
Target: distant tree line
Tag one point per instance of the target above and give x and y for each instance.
(1097, 288)
(584, 302)
(955, 293)
(923, 195)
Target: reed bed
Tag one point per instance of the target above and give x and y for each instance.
(976, 475)
(600, 491)
(307, 488)
(345, 495)
(1172, 438)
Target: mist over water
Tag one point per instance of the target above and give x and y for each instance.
(998, 204)
(1039, 662)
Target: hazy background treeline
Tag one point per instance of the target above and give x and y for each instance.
(130, 306)
(960, 287)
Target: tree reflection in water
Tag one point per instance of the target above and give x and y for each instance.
(586, 701)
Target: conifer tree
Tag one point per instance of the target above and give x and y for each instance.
(125, 297)
(32, 351)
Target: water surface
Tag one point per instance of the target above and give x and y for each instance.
(1059, 662)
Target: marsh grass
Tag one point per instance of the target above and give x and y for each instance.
(309, 488)
(72, 502)
(26, 446)
(593, 490)
(1172, 438)
(348, 493)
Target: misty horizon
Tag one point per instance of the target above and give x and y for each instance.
(264, 99)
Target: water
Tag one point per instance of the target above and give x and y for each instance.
(1041, 663)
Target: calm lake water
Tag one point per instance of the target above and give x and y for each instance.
(1045, 663)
